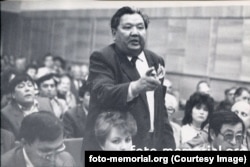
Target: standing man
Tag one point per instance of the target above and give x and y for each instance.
(125, 76)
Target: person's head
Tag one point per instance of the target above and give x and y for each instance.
(129, 26)
(75, 71)
(48, 60)
(20, 64)
(47, 86)
(171, 104)
(59, 63)
(84, 94)
(114, 130)
(168, 84)
(242, 109)
(198, 109)
(22, 89)
(31, 70)
(42, 135)
(64, 84)
(242, 94)
(203, 87)
(225, 130)
(229, 94)
(84, 71)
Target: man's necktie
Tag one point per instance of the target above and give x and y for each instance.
(133, 61)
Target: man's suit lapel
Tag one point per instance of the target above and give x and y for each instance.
(126, 65)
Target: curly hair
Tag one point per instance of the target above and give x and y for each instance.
(198, 99)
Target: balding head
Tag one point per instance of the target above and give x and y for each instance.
(242, 109)
(171, 104)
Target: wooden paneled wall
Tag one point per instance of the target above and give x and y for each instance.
(211, 43)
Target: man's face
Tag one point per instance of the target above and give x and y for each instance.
(43, 153)
(117, 141)
(64, 85)
(24, 93)
(20, 64)
(242, 109)
(230, 137)
(130, 34)
(85, 100)
(48, 89)
(245, 96)
(230, 96)
(31, 72)
(48, 62)
(204, 88)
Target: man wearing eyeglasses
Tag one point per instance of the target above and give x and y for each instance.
(42, 144)
(226, 132)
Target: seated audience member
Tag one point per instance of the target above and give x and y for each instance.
(74, 120)
(242, 94)
(76, 75)
(242, 109)
(64, 92)
(47, 88)
(172, 107)
(84, 71)
(114, 131)
(203, 87)
(48, 67)
(23, 103)
(229, 100)
(6, 77)
(20, 65)
(197, 112)
(226, 132)
(31, 70)
(7, 141)
(42, 144)
(168, 85)
(59, 65)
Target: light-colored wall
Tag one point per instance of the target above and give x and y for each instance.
(197, 42)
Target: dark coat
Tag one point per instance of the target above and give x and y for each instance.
(12, 116)
(110, 76)
(74, 122)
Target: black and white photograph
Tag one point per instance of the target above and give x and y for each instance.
(85, 75)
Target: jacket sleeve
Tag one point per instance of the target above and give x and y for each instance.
(103, 78)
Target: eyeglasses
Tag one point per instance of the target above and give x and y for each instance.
(50, 155)
(230, 136)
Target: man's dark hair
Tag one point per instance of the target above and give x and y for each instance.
(19, 78)
(239, 91)
(115, 20)
(84, 88)
(218, 119)
(45, 78)
(42, 125)
(62, 61)
(31, 66)
(198, 99)
(200, 82)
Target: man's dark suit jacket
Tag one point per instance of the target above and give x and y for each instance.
(110, 76)
(15, 158)
(12, 116)
(7, 141)
(74, 122)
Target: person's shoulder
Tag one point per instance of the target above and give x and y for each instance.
(105, 51)
(65, 159)
(9, 158)
(8, 109)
